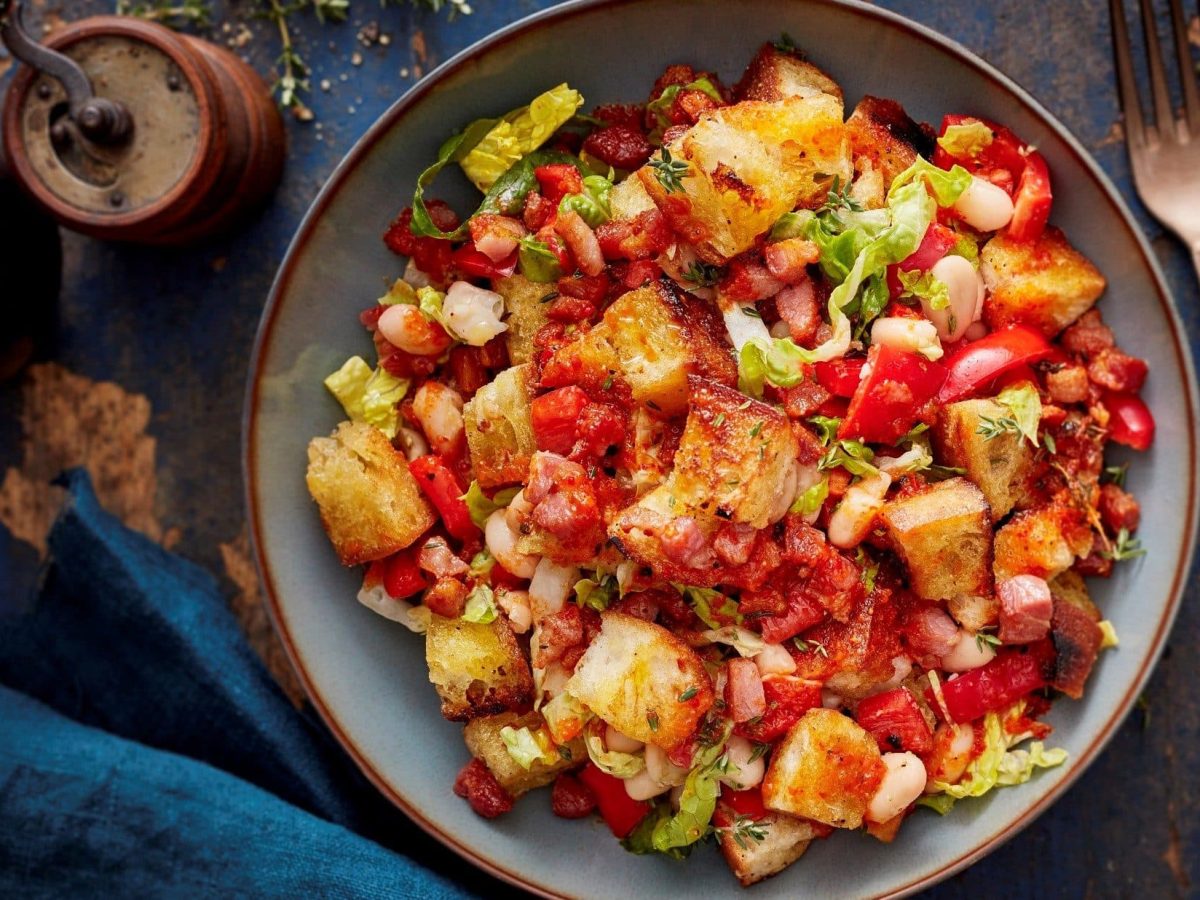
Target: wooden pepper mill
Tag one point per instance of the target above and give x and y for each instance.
(127, 131)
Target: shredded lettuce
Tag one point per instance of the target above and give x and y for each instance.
(852, 455)
(917, 458)
(966, 247)
(969, 139)
(596, 594)
(641, 839)
(429, 301)
(593, 204)
(368, 395)
(520, 132)
(481, 605)
(661, 107)
(743, 640)
(790, 225)
(400, 292)
(999, 765)
(537, 261)
(480, 506)
(811, 499)
(565, 717)
(923, 286)
(1025, 405)
(706, 603)
(527, 747)
(612, 762)
(698, 801)
(1108, 635)
(482, 563)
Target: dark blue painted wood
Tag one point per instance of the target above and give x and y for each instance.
(177, 327)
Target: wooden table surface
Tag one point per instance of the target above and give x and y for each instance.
(143, 377)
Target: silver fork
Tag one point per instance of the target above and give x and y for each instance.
(1166, 154)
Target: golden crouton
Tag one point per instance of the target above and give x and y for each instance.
(1000, 466)
(483, 739)
(776, 74)
(633, 675)
(652, 338)
(1046, 284)
(370, 504)
(499, 426)
(478, 670)
(628, 199)
(827, 768)
(1042, 542)
(784, 840)
(1070, 587)
(944, 536)
(884, 139)
(974, 612)
(526, 314)
(748, 164)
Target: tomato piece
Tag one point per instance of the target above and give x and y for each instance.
(500, 577)
(841, 376)
(440, 485)
(788, 699)
(992, 687)
(402, 577)
(1132, 423)
(1032, 202)
(620, 811)
(889, 400)
(1005, 152)
(740, 803)
(974, 365)
(570, 798)
(555, 416)
(803, 612)
(557, 180)
(895, 721)
(473, 264)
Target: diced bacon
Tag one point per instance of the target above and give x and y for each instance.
(496, 237)
(1025, 609)
(568, 515)
(438, 559)
(804, 400)
(641, 604)
(787, 699)
(1088, 335)
(581, 241)
(732, 543)
(789, 260)
(803, 545)
(1117, 371)
(570, 798)
(620, 146)
(642, 237)
(570, 310)
(538, 211)
(929, 632)
(798, 309)
(557, 180)
(803, 612)
(557, 633)
(592, 289)
(836, 583)
(481, 789)
(1076, 645)
(1068, 385)
(1119, 509)
(627, 114)
(447, 598)
(895, 721)
(744, 697)
(747, 280)
(549, 470)
(685, 544)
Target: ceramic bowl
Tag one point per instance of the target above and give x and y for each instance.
(367, 676)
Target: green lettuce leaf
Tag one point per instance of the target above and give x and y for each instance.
(746, 642)
(661, 107)
(400, 292)
(1025, 405)
(482, 564)
(481, 605)
(612, 762)
(923, 286)
(481, 507)
(520, 132)
(429, 301)
(565, 717)
(525, 748)
(969, 139)
(596, 594)
(698, 801)
(537, 261)
(368, 395)
(812, 499)
(641, 839)
(1108, 635)
(593, 204)
(706, 602)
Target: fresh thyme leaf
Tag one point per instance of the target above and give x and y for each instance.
(745, 830)
(1051, 444)
(785, 44)
(984, 639)
(718, 420)
(688, 694)
(553, 295)
(702, 274)
(669, 172)
(839, 198)
(608, 383)
(758, 427)
(652, 720)
(992, 428)
(751, 312)
(1125, 547)
(810, 646)
(759, 751)
(1116, 474)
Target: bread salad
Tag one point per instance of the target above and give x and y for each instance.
(741, 461)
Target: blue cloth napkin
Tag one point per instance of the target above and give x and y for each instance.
(145, 750)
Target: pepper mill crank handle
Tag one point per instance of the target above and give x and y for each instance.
(99, 119)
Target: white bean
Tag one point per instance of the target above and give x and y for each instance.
(405, 326)
(742, 328)
(984, 206)
(775, 660)
(516, 606)
(414, 443)
(473, 313)
(830, 700)
(856, 513)
(786, 494)
(965, 288)
(661, 768)
(439, 410)
(642, 787)
(518, 510)
(621, 743)
(742, 773)
(967, 654)
(976, 331)
(550, 587)
(904, 333)
(902, 783)
(501, 540)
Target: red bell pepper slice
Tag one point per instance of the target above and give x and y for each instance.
(1033, 199)
(557, 180)
(555, 418)
(889, 400)
(473, 264)
(402, 577)
(1131, 422)
(934, 245)
(992, 687)
(1004, 152)
(617, 808)
(740, 803)
(788, 699)
(895, 721)
(840, 376)
(440, 485)
(975, 365)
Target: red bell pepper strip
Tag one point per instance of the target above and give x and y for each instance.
(889, 400)
(1032, 201)
(739, 803)
(788, 699)
(840, 376)
(557, 180)
(555, 418)
(441, 486)
(992, 687)
(402, 577)
(1131, 422)
(934, 245)
(473, 264)
(975, 365)
(617, 808)
(895, 721)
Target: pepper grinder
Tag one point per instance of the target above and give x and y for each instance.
(127, 131)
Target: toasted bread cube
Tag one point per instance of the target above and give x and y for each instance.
(785, 838)
(482, 736)
(748, 164)
(1046, 284)
(499, 426)
(632, 676)
(651, 337)
(1070, 587)
(628, 199)
(776, 74)
(1000, 466)
(974, 612)
(526, 314)
(370, 504)
(637, 529)
(944, 536)
(827, 768)
(478, 670)
(1042, 542)
(882, 134)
